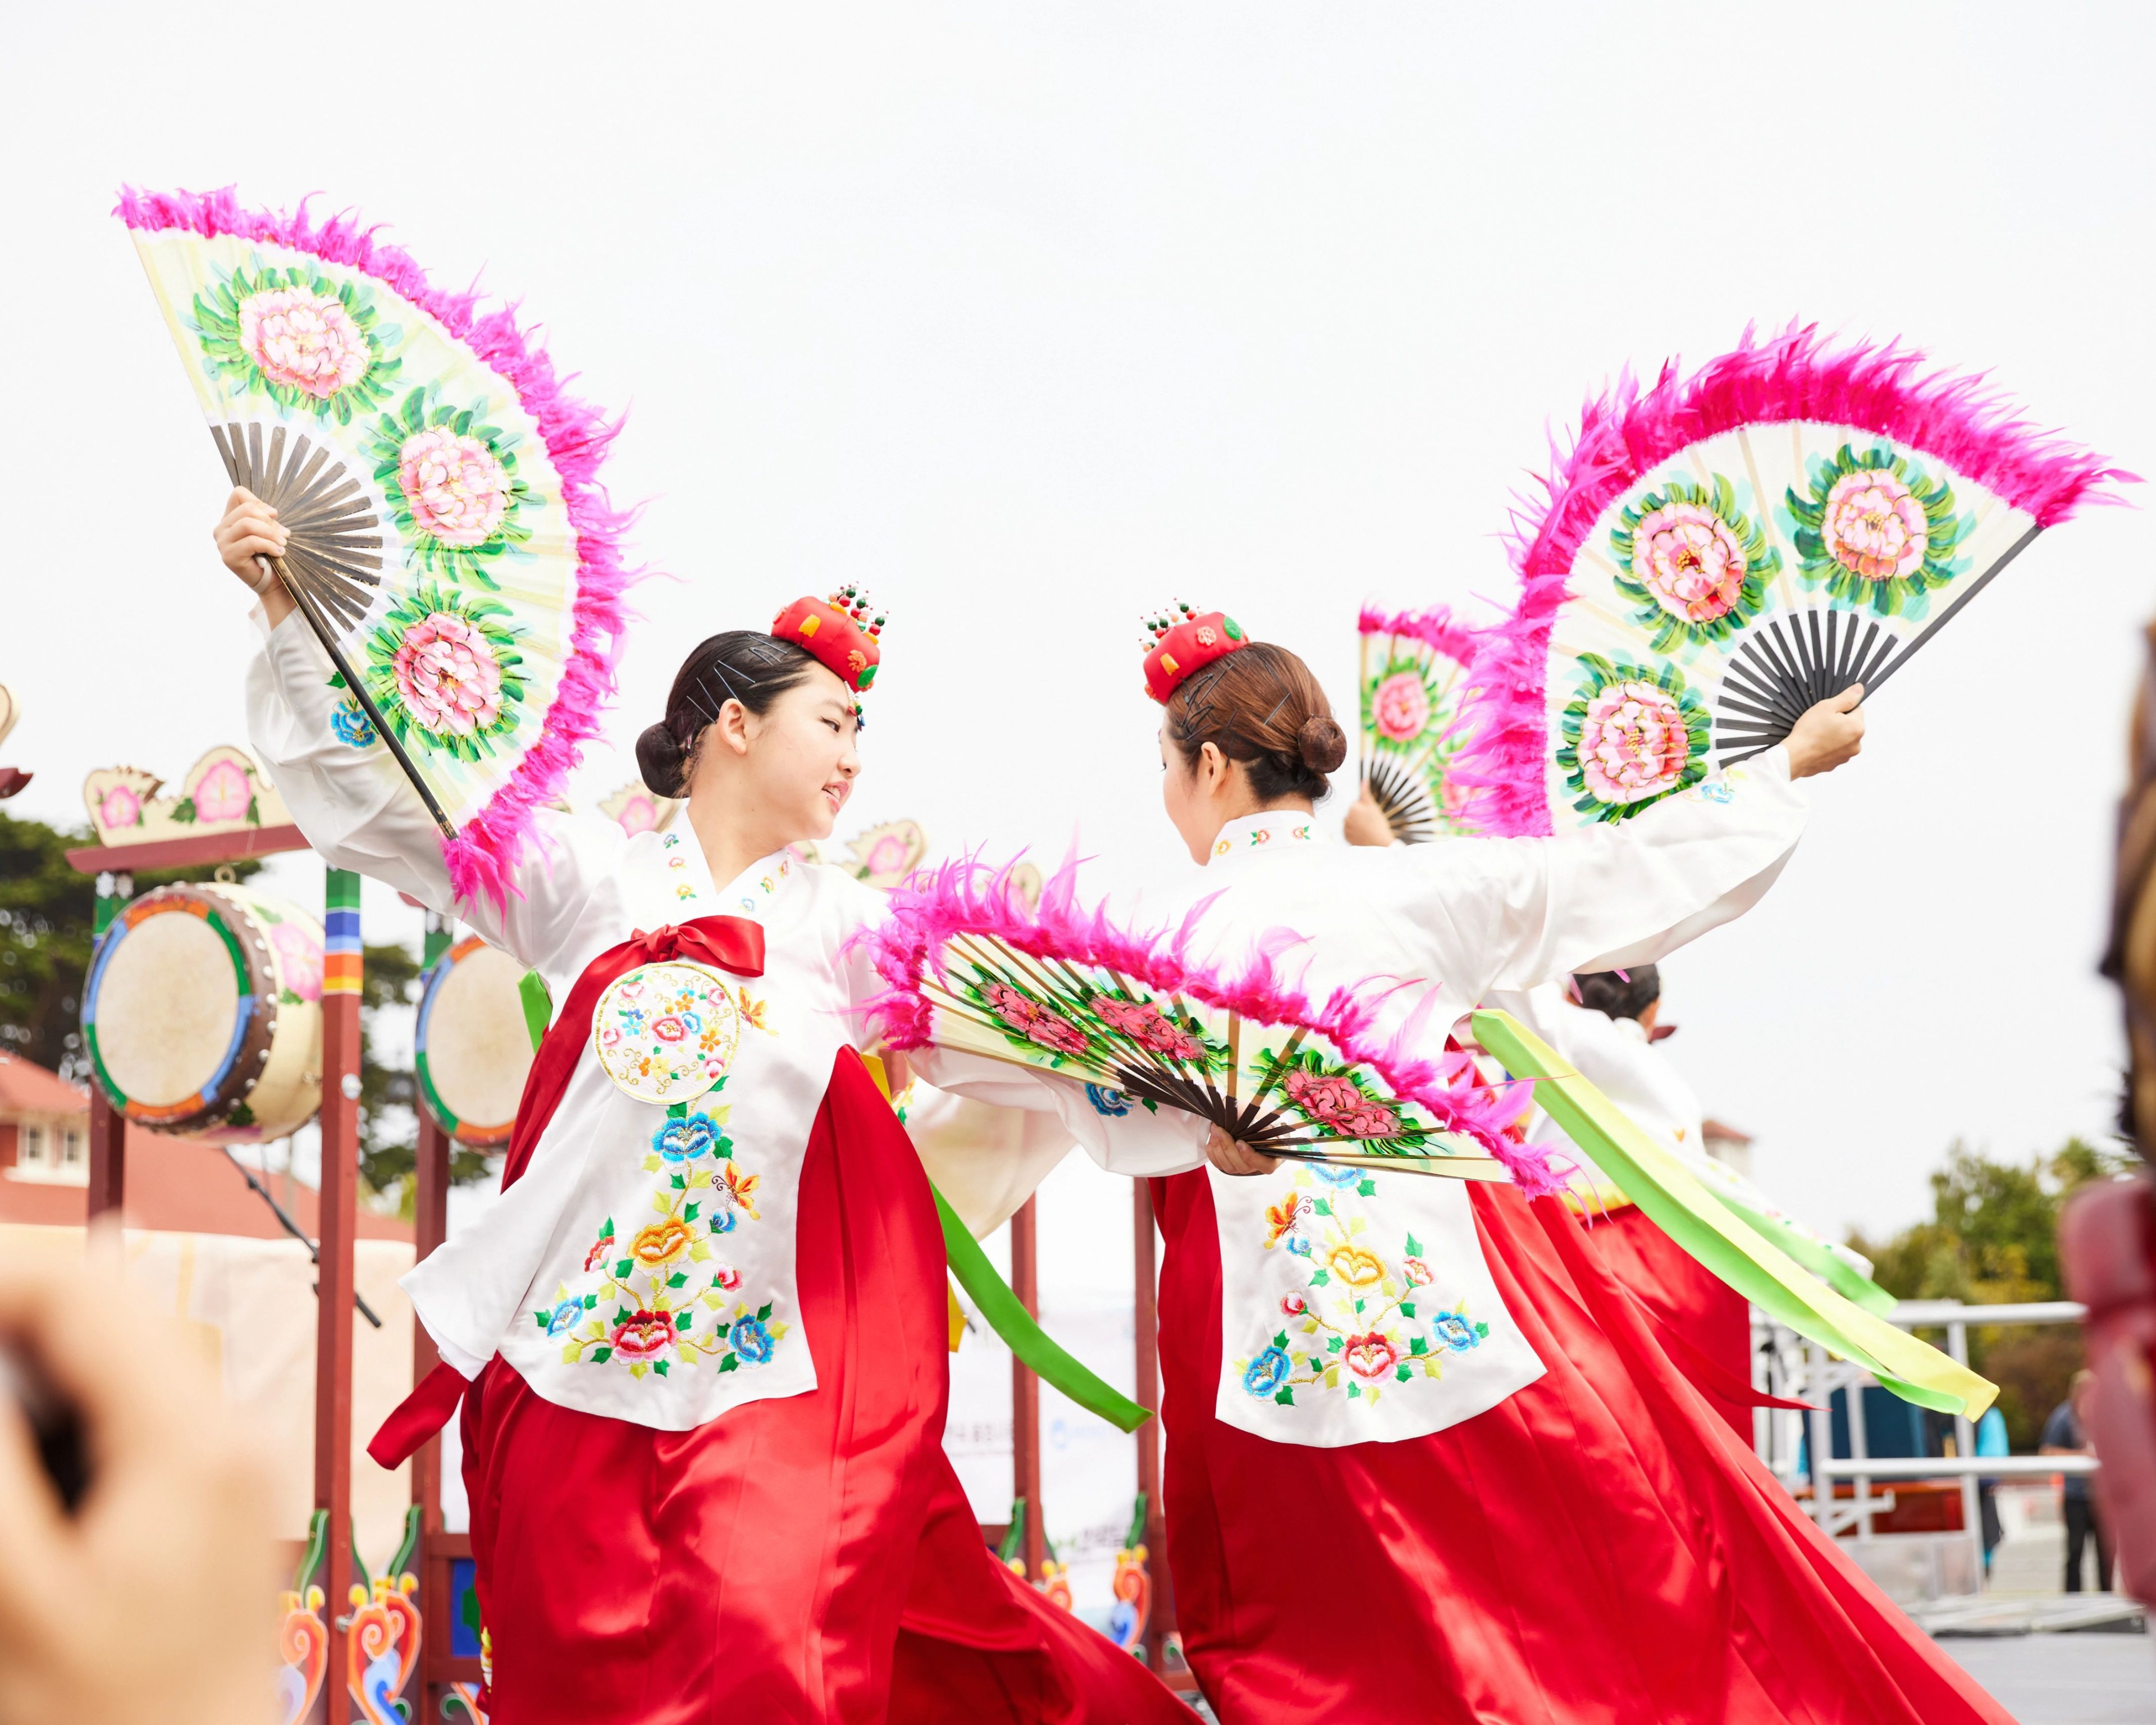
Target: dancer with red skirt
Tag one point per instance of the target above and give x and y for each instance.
(1425, 1460)
(700, 1340)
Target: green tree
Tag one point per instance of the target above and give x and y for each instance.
(1993, 1240)
(47, 914)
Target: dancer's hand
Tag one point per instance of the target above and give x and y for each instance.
(1232, 1157)
(152, 1603)
(250, 529)
(1366, 823)
(1829, 734)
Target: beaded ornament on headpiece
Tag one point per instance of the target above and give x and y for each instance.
(841, 632)
(1182, 641)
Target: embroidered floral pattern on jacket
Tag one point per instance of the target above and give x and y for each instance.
(661, 1299)
(1364, 1323)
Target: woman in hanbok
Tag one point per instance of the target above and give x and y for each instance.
(700, 1341)
(1425, 1459)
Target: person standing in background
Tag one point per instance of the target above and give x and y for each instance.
(2066, 1434)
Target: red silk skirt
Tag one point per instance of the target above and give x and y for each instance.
(808, 1558)
(1689, 1299)
(1599, 1549)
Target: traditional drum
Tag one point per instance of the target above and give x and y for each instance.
(204, 1014)
(472, 1047)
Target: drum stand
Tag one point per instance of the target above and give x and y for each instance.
(340, 1177)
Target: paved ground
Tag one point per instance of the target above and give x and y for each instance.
(2088, 1678)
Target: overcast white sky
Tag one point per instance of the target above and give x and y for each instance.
(1030, 317)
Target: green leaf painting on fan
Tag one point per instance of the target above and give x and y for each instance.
(1633, 735)
(1876, 531)
(1696, 565)
(1290, 1093)
(308, 343)
(444, 671)
(452, 485)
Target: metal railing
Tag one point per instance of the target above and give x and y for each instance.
(1803, 1371)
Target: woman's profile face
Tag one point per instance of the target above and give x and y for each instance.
(793, 764)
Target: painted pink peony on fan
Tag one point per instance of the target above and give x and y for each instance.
(447, 676)
(483, 857)
(305, 341)
(1401, 706)
(456, 489)
(1874, 526)
(1684, 554)
(1633, 744)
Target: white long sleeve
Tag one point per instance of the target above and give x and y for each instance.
(1121, 1135)
(1487, 914)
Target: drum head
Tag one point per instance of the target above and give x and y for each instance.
(168, 1010)
(478, 1047)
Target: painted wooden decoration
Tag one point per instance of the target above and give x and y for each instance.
(884, 855)
(303, 1638)
(224, 791)
(11, 779)
(636, 809)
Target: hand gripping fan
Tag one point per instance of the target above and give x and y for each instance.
(1131, 1016)
(1414, 665)
(451, 546)
(1721, 552)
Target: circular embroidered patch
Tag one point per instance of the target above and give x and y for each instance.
(665, 1033)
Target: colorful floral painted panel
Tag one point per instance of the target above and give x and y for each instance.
(660, 1294)
(1373, 1314)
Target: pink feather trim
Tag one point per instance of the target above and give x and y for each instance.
(967, 897)
(1626, 433)
(483, 857)
(1434, 626)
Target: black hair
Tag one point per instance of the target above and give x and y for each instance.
(1625, 995)
(743, 664)
(1261, 706)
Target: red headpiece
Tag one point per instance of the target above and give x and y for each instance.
(841, 631)
(1183, 641)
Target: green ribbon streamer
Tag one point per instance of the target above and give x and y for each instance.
(538, 1006)
(1755, 1266)
(1842, 1277)
(1007, 1316)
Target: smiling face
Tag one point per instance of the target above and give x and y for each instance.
(783, 774)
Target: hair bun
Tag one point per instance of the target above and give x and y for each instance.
(659, 759)
(1322, 744)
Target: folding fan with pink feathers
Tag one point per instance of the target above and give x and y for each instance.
(451, 545)
(1412, 683)
(1720, 551)
(1132, 1012)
